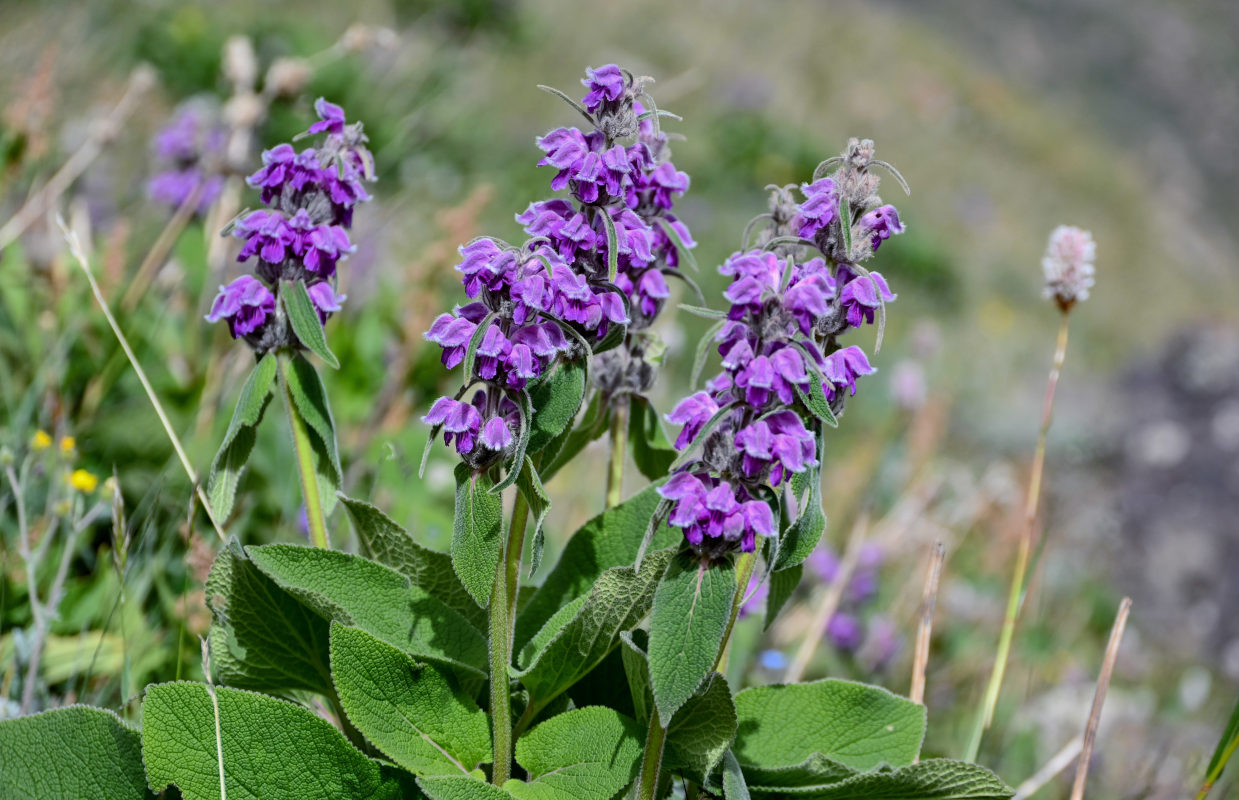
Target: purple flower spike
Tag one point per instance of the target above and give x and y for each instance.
(331, 118)
(693, 413)
(245, 303)
(605, 84)
(863, 295)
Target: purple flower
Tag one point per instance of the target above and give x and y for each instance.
(880, 224)
(844, 631)
(712, 515)
(693, 413)
(461, 422)
(186, 146)
(174, 187)
(863, 295)
(496, 435)
(325, 300)
(331, 118)
(824, 563)
(245, 303)
(453, 335)
(819, 209)
(605, 84)
(658, 186)
(842, 368)
(485, 266)
(266, 235)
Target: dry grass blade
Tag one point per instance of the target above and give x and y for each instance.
(1061, 760)
(1099, 698)
(928, 600)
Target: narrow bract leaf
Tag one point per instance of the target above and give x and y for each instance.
(471, 351)
(75, 751)
(271, 749)
(734, 787)
(857, 725)
(584, 753)
(384, 541)
(783, 583)
(305, 322)
(355, 591)
(580, 108)
(691, 608)
(703, 352)
(608, 540)
(415, 713)
(637, 671)
(530, 487)
(612, 245)
(310, 401)
(684, 251)
(803, 534)
(707, 429)
(524, 408)
(700, 311)
(476, 533)
(845, 224)
(238, 443)
(702, 730)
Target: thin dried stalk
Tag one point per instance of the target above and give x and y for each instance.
(1099, 698)
(928, 600)
(1061, 760)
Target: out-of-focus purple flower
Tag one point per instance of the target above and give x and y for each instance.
(908, 387)
(844, 631)
(1068, 265)
(605, 84)
(824, 564)
(862, 296)
(881, 643)
(330, 118)
(880, 224)
(185, 150)
(174, 187)
(245, 303)
(820, 208)
(755, 595)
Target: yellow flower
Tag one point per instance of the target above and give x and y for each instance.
(83, 481)
(68, 444)
(41, 440)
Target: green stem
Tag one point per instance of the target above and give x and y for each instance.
(1015, 598)
(305, 463)
(655, 738)
(1217, 769)
(744, 572)
(619, 448)
(502, 614)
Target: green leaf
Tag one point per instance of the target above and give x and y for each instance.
(262, 637)
(702, 730)
(845, 225)
(651, 449)
(461, 788)
(556, 400)
(703, 352)
(608, 540)
(476, 533)
(550, 630)
(384, 541)
(234, 451)
(783, 583)
(686, 253)
(310, 398)
(691, 610)
(524, 407)
(1225, 746)
(588, 752)
(620, 599)
(471, 350)
(705, 313)
(530, 487)
(75, 751)
(816, 770)
(612, 245)
(814, 399)
(637, 671)
(936, 779)
(304, 319)
(565, 447)
(801, 537)
(854, 724)
(355, 591)
(734, 787)
(415, 713)
(271, 749)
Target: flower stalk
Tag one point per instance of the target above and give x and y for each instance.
(304, 452)
(619, 448)
(501, 629)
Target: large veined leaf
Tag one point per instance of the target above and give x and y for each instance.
(476, 533)
(702, 730)
(619, 600)
(587, 752)
(415, 713)
(691, 609)
(262, 637)
(234, 451)
(935, 779)
(556, 398)
(76, 751)
(270, 749)
(355, 591)
(608, 540)
(384, 541)
(461, 788)
(854, 724)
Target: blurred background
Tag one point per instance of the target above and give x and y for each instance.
(1006, 119)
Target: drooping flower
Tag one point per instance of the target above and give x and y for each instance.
(246, 303)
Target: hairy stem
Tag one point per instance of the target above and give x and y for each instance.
(619, 448)
(651, 764)
(1015, 598)
(305, 463)
(744, 572)
(502, 617)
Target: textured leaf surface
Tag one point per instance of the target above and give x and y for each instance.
(621, 597)
(476, 533)
(459, 788)
(608, 540)
(651, 449)
(556, 399)
(565, 447)
(272, 749)
(384, 541)
(355, 591)
(691, 609)
(77, 751)
(589, 752)
(936, 779)
(310, 398)
(857, 725)
(802, 536)
(234, 451)
(305, 322)
(262, 637)
(783, 583)
(734, 786)
(415, 713)
(530, 487)
(637, 671)
(702, 730)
